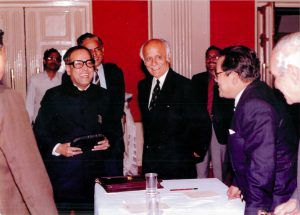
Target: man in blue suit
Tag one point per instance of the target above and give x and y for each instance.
(262, 146)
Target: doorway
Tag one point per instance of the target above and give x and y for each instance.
(31, 27)
(274, 19)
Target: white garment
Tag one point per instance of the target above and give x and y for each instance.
(38, 86)
(130, 166)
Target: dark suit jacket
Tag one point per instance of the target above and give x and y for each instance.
(67, 113)
(24, 184)
(222, 109)
(174, 129)
(116, 89)
(263, 149)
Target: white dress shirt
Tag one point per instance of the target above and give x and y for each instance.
(38, 86)
(237, 98)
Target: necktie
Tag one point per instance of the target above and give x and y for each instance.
(97, 79)
(155, 94)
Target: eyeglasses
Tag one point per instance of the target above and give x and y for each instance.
(96, 50)
(78, 64)
(209, 57)
(218, 73)
(54, 59)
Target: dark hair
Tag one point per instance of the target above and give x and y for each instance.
(213, 48)
(86, 36)
(243, 61)
(71, 50)
(49, 51)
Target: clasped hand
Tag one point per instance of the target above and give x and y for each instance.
(66, 150)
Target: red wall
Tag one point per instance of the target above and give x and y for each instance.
(232, 23)
(122, 25)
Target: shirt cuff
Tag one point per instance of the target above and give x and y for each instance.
(54, 150)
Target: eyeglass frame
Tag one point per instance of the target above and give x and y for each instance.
(57, 59)
(98, 49)
(218, 73)
(216, 57)
(83, 62)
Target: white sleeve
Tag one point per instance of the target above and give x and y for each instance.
(31, 93)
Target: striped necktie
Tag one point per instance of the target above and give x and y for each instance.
(155, 94)
(97, 79)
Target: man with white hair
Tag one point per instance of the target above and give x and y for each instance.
(285, 66)
(176, 130)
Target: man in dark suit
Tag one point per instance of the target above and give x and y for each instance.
(262, 145)
(176, 131)
(74, 109)
(220, 111)
(285, 66)
(110, 77)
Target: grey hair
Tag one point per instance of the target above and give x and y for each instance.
(287, 52)
(164, 42)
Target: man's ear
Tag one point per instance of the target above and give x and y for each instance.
(169, 58)
(68, 69)
(234, 77)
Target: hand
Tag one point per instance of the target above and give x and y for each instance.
(288, 208)
(102, 145)
(233, 192)
(66, 150)
(196, 155)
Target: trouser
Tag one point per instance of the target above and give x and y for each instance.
(217, 155)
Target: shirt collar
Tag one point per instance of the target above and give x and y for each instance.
(82, 89)
(237, 98)
(161, 79)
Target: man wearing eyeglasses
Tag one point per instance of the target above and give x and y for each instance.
(220, 111)
(76, 108)
(41, 82)
(262, 144)
(110, 77)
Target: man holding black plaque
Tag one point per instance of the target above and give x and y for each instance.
(74, 112)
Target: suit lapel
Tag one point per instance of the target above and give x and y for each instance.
(167, 88)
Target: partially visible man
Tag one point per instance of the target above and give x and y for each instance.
(25, 186)
(220, 111)
(110, 77)
(43, 81)
(176, 130)
(285, 66)
(76, 108)
(262, 146)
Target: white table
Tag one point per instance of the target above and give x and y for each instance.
(178, 202)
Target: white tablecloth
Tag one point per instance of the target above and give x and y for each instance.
(177, 202)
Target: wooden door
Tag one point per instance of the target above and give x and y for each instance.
(55, 27)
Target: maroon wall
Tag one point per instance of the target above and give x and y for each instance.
(232, 23)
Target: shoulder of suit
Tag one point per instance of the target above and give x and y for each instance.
(5, 91)
(200, 75)
(178, 77)
(111, 66)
